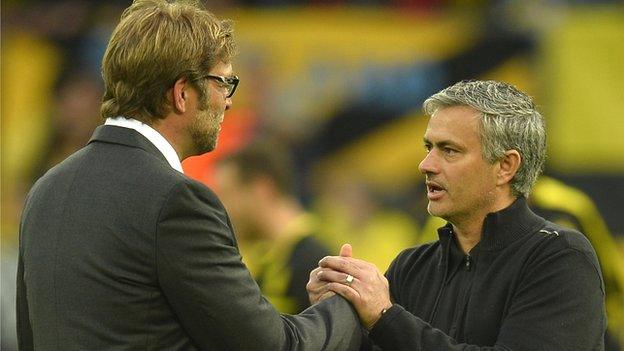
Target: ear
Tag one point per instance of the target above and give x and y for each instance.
(508, 166)
(180, 95)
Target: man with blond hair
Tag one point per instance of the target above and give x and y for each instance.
(499, 277)
(118, 248)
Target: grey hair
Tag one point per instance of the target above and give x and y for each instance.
(509, 120)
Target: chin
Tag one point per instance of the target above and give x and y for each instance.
(436, 211)
(208, 148)
(212, 145)
(205, 145)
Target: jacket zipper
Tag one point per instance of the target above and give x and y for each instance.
(460, 314)
(441, 290)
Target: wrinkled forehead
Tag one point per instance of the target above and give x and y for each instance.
(459, 124)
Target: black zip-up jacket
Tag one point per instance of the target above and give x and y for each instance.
(528, 285)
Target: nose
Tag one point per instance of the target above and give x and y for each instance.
(428, 164)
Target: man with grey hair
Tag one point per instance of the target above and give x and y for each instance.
(499, 277)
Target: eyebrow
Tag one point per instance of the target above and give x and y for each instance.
(443, 143)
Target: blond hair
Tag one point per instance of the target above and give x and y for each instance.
(155, 44)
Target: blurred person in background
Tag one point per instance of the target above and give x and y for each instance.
(500, 276)
(118, 248)
(350, 211)
(275, 233)
(73, 120)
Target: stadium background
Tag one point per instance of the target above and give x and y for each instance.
(340, 84)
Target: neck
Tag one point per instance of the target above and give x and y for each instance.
(468, 232)
(468, 235)
(171, 129)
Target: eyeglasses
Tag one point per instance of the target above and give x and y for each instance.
(229, 83)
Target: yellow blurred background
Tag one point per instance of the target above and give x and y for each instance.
(340, 84)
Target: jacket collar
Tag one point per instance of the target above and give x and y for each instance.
(125, 136)
(502, 228)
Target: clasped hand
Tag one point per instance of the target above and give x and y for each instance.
(358, 281)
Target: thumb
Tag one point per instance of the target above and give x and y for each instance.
(346, 250)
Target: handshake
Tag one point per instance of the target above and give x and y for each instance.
(358, 281)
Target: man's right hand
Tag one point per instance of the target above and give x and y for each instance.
(317, 289)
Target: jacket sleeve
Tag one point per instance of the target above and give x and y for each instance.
(24, 329)
(217, 301)
(559, 305)
(25, 340)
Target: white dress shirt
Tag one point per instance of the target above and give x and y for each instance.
(152, 135)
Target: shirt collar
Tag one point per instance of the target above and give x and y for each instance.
(506, 226)
(152, 135)
(503, 227)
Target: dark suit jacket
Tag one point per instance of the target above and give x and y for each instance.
(120, 251)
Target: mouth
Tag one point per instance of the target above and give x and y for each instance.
(434, 190)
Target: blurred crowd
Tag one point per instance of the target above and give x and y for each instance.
(335, 86)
